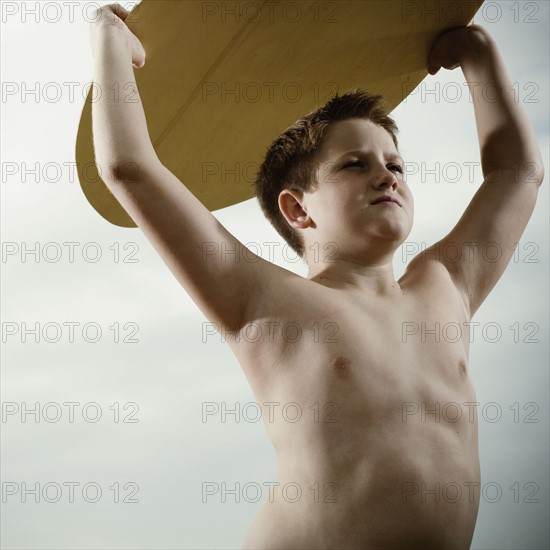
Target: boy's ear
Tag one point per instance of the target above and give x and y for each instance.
(294, 209)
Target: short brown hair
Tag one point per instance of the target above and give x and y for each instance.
(288, 163)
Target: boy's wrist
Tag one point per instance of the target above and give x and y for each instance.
(108, 31)
(475, 46)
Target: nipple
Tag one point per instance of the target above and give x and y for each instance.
(341, 365)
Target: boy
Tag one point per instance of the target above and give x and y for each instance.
(369, 468)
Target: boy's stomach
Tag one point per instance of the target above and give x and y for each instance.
(398, 487)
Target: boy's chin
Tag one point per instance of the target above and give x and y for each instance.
(394, 232)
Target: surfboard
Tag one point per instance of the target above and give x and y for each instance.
(223, 79)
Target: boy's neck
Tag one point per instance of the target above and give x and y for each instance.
(355, 275)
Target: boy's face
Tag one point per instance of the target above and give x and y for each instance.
(358, 164)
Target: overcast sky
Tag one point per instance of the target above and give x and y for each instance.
(150, 444)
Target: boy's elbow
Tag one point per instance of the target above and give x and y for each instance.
(540, 174)
(533, 172)
(119, 171)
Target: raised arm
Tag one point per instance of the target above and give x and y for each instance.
(217, 270)
(497, 215)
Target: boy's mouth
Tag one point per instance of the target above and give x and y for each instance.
(386, 198)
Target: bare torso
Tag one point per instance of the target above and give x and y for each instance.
(371, 451)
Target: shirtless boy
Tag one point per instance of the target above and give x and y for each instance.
(367, 462)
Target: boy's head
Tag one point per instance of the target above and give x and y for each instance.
(309, 178)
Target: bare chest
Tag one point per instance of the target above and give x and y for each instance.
(364, 351)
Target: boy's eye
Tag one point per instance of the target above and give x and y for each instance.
(360, 164)
(354, 163)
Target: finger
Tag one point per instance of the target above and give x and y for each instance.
(118, 10)
(433, 64)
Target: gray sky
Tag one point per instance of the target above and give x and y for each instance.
(162, 381)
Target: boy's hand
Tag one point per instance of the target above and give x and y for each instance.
(110, 17)
(456, 46)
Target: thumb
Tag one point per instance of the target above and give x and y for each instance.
(138, 52)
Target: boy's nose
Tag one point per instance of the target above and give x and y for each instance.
(385, 178)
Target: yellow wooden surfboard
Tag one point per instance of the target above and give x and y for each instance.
(223, 79)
